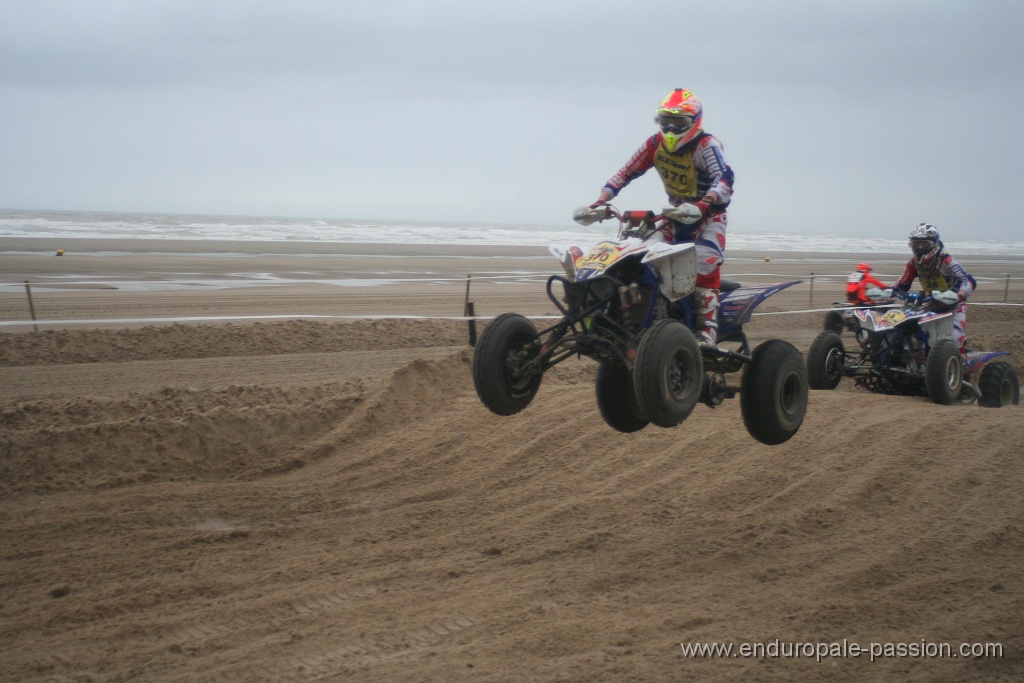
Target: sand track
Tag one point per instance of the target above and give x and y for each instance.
(180, 516)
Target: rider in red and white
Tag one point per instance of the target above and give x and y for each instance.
(941, 275)
(696, 177)
(858, 282)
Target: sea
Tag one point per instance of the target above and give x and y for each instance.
(160, 226)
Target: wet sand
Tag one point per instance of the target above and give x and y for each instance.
(99, 280)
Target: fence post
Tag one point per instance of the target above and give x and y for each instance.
(1006, 289)
(469, 312)
(31, 306)
(810, 297)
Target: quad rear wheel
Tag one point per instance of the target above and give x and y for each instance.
(668, 373)
(773, 392)
(834, 322)
(999, 386)
(499, 357)
(616, 398)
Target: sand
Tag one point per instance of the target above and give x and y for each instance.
(325, 498)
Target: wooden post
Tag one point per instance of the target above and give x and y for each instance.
(1006, 289)
(31, 306)
(469, 312)
(472, 323)
(810, 297)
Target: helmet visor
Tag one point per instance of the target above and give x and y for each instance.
(675, 123)
(921, 247)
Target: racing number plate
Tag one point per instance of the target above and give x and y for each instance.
(598, 258)
(892, 318)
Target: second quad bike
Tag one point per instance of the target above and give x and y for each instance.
(910, 350)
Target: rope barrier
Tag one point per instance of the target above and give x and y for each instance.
(256, 282)
(222, 318)
(850, 308)
(226, 283)
(314, 316)
(469, 314)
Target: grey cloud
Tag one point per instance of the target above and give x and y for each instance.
(525, 105)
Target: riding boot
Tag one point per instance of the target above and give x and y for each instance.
(706, 314)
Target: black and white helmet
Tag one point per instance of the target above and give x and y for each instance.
(926, 245)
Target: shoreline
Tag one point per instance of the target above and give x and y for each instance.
(86, 245)
(103, 246)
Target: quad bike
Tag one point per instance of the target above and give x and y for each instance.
(627, 304)
(910, 351)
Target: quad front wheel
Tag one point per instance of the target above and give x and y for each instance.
(825, 361)
(500, 356)
(668, 373)
(999, 386)
(773, 392)
(944, 372)
(616, 398)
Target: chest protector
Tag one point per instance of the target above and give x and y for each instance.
(678, 174)
(932, 280)
(853, 284)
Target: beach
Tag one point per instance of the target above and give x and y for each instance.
(246, 461)
(117, 279)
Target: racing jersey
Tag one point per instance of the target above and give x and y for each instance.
(949, 275)
(688, 175)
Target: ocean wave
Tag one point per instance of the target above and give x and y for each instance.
(67, 225)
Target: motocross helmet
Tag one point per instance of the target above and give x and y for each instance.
(927, 247)
(679, 117)
(863, 268)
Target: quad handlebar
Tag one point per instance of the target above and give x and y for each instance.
(914, 299)
(684, 213)
(642, 223)
(910, 298)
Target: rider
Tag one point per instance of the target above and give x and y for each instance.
(695, 175)
(857, 284)
(940, 274)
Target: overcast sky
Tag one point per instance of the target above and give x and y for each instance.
(844, 117)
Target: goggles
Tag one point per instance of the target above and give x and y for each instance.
(675, 123)
(921, 247)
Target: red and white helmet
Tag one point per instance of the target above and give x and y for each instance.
(679, 116)
(863, 268)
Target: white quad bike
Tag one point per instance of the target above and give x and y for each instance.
(909, 350)
(627, 304)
